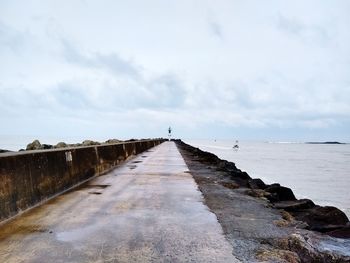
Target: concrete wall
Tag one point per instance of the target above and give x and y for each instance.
(27, 178)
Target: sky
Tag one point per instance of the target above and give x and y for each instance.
(249, 70)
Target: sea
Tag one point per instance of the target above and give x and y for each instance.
(320, 172)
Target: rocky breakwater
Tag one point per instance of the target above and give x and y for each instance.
(267, 223)
(36, 145)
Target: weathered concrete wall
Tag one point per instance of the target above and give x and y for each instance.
(27, 178)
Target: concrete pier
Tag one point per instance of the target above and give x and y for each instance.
(147, 210)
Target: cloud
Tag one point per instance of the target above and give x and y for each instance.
(216, 29)
(124, 85)
(111, 62)
(307, 32)
(10, 38)
(71, 96)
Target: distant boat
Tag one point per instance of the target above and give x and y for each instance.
(236, 147)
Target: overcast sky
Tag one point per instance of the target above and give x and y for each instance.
(267, 70)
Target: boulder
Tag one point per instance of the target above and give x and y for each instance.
(256, 184)
(241, 175)
(322, 218)
(46, 146)
(224, 165)
(35, 145)
(90, 143)
(280, 193)
(313, 248)
(61, 145)
(209, 157)
(111, 141)
(294, 205)
(343, 232)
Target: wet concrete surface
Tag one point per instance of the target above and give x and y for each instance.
(147, 210)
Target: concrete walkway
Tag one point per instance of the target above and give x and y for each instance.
(147, 210)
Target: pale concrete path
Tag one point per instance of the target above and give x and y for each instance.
(148, 210)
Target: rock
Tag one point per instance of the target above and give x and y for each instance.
(223, 165)
(256, 184)
(241, 175)
(230, 185)
(281, 223)
(61, 145)
(256, 193)
(210, 158)
(4, 151)
(35, 145)
(313, 248)
(90, 143)
(294, 205)
(280, 193)
(322, 219)
(343, 232)
(287, 216)
(277, 255)
(111, 141)
(46, 146)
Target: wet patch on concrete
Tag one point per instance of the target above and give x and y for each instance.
(88, 185)
(95, 193)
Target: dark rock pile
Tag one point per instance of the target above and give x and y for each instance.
(36, 145)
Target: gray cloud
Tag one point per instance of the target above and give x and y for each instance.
(71, 96)
(126, 87)
(11, 38)
(216, 29)
(307, 32)
(111, 62)
(168, 91)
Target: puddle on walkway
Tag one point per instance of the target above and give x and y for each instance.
(78, 233)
